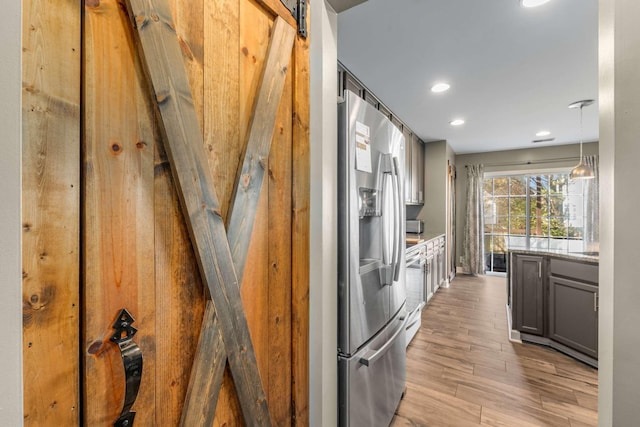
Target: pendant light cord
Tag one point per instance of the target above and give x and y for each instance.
(581, 106)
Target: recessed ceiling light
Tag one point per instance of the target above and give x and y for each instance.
(532, 3)
(440, 87)
(543, 133)
(456, 122)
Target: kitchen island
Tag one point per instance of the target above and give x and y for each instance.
(553, 301)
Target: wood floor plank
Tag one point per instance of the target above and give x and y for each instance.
(467, 357)
(462, 361)
(495, 418)
(515, 408)
(587, 400)
(434, 408)
(573, 412)
(543, 388)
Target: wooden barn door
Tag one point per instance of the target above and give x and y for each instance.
(135, 248)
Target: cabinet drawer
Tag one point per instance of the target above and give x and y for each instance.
(574, 270)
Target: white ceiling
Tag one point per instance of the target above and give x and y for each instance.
(512, 70)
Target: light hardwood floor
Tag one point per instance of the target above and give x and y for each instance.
(463, 371)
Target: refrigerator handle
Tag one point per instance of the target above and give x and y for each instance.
(371, 356)
(387, 271)
(397, 223)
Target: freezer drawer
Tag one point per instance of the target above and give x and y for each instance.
(372, 381)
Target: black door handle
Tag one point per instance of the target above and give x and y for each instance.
(132, 361)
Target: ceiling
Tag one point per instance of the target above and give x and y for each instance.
(513, 71)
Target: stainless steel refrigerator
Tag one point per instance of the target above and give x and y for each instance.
(371, 265)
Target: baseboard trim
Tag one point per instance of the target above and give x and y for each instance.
(514, 336)
(560, 347)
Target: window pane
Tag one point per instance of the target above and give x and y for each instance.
(558, 184)
(518, 206)
(489, 211)
(501, 186)
(517, 242)
(539, 204)
(541, 243)
(574, 205)
(518, 225)
(575, 186)
(558, 245)
(502, 225)
(501, 205)
(488, 186)
(575, 232)
(558, 226)
(539, 226)
(539, 185)
(499, 243)
(557, 206)
(518, 186)
(488, 245)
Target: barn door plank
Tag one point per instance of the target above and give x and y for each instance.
(206, 379)
(300, 232)
(51, 211)
(180, 295)
(160, 49)
(118, 228)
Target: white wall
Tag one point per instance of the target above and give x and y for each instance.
(10, 263)
(619, 99)
(323, 290)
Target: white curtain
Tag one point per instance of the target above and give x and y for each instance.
(591, 192)
(474, 228)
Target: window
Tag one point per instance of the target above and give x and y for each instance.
(543, 211)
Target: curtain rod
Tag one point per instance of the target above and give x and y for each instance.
(531, 162)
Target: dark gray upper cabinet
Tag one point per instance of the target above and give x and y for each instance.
(417, 170)
(528, 294)
(573, 314)
(414, 148)
(414, 168)
(352, 84)
(371, 98)
(384, 110)
(408, 153)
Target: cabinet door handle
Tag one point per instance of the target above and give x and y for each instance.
(539, 269)
(595, 302)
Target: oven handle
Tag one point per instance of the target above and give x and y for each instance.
(415, 314)
(413, 258)
(371, 356)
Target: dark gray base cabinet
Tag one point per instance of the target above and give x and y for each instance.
(554, 302)
(528, 294)
(573, 314)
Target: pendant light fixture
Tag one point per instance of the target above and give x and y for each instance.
(582, 170)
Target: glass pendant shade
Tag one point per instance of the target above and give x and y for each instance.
(582, 170)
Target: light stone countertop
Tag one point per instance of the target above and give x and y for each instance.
(574, 256)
